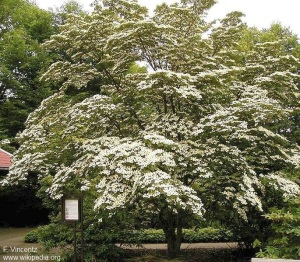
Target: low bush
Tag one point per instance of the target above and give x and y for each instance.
(51, 236)
(32, 236)
(207, 235)
(285, 238)
(204, 235)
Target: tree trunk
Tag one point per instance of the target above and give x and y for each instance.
(172, 227)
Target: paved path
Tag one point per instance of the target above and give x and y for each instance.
(13, 247)
(186, 246)
(13, 236)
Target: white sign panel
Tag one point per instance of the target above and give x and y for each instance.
(71, 209)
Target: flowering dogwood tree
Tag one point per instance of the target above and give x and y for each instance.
(195, 129)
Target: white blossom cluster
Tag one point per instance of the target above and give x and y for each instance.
(197, 123)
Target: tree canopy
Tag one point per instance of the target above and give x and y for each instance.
(23, 27)
(201, 131)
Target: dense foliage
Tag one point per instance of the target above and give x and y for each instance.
(285, 238)
(201, 235)
(202, 132)
(23, 27)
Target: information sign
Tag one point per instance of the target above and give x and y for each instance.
(71, 210)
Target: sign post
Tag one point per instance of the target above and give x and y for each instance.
(72, 212)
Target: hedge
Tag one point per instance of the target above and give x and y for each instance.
(202, 235)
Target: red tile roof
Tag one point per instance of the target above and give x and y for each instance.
(4, 159)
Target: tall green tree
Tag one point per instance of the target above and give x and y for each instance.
(23, 28)
(192, 136)
(285, 50)
(283, 218)
(60, 14)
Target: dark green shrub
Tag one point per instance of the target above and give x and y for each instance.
(285, 239)
(203, 235)
(151, 236)
(32, 237)
(51, 236)
(206, 235)
(99, 242)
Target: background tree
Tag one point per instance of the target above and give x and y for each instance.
(23, 28)
(287, 45)
(194, 133)
(282, 236)
(263, 53)
(60, 14)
